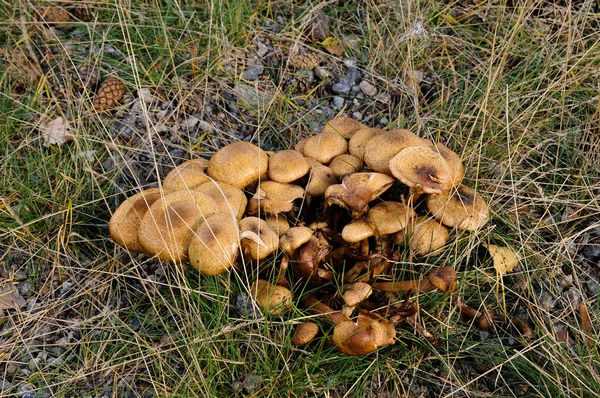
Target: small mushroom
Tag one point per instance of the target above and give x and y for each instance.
(187, 175)
(390, 217)
(345, 164)
(344, 126)
(323, 147)
(357, 190)
(444, 279)
(258, 240)
(272, 299)
(229, 198)
(460, 207)
(354, 294)
(168, 226)
(274, 197)
(287, 166)
(238, 164)
(358, 230)
(278, 223)
(360, 139)
(294, 238)
(369, 333)
(426, 236)
(125, 222)
(426, 168)
(305, 333)
(382, 148)
(215, 245)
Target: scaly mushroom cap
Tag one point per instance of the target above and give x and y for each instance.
(460, 207)
(360, 139)
(344, 126)
(258, 240)
(229, 198)
(382, 148)
(428, 236)
(305, 332)
(358, 230)
(168, 225)
(357, 190)
(444, 279)
(272, 299)
(287, 166)
(125, 221)
(325, 146)
(345, 164)
(274, 197)
(301, 144)
(390, 217)
(215, 244)
(238, 164)
(321, 177)
(426, 167)
(369, 333)
(187, 175)
(294, 238)
(356, 293)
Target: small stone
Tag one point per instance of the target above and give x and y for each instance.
(19, 276)
(11, 368)
(591, 253)
(384, 121)
(353, 74)
(261, 49)
(338, 102)
(322, 73)
(357, 115)
(24, 288)
(253, 71)
(343, 86)
(383, 98)
(367, 88)
(350, 62)
(5, 385)
(190, 122)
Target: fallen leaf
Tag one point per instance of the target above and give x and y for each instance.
(333, 46)
(505, 258)
(10, 298)
(56, 132)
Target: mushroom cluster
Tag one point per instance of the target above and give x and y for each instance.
(324, 224)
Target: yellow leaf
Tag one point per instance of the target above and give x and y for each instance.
(333, 46)
(505, 258)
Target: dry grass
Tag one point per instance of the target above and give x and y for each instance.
(511, 86)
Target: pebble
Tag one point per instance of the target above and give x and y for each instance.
(322, 73)
(24, 288)
(367, 88)
(591, 253)
(337, 102)
(383, 98)
(19, 276)
(253, 71)
(353, 74)
(261, 49)
(357, 115)
(343, 86)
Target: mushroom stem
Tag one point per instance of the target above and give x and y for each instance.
(443, 279)
(483, 320)
(281, 279)
(328, 314)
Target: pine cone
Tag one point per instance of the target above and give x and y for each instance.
(305, 61)
(190, 104)
(83, 11)
(109, 94)
(54, 15)
(20, 68)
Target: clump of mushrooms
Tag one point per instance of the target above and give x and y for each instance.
(321, 218)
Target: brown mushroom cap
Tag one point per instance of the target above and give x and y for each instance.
(360, 139)
(460, 207)
(345, 164)
(125, 221)
(358, 230)
(274, 197)
(424, 166)
(357, 190)
(325, 146)
(428, 236)
(382, 148)
(301, 144)
(187, 175)
(369, 333)
(305, 332)
(215, 244)
(278, 223)
(287, 166)
(390, 217)
(321, 177)
(229, 198)
(356, 293)
(272, 299)
(167, 227)
(344, 126)
(238, 164)
(294, 238)
(258, 240)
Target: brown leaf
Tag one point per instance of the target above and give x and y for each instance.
(505, 258)
(333, 46)
(56, 132)
(10, 298)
